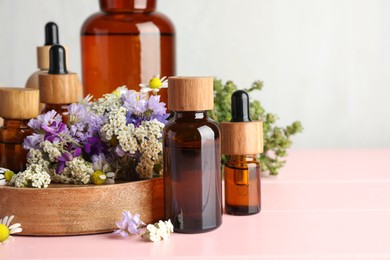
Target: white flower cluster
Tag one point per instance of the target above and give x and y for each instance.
(149, 136)
(107, 103)
(77, 171)
(34, 176)
(51, 149)
(35, 156)
(158, 231)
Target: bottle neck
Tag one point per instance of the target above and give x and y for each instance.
(191, 115)
(15, 123)
(247, 158)
(132, 6)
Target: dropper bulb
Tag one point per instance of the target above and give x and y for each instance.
(51, 33)
(240, 107)
(57, 60)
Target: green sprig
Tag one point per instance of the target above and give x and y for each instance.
(276, 139)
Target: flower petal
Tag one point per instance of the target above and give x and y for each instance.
(15, 230)
(16, 225)
(9, 220)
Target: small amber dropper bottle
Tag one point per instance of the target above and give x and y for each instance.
(192, 157)
(242, 140)
(58, 87)
(18, 106)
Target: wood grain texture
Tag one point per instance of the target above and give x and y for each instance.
(19, 103)
(190, 93)
(59, 89)
(241, 138)
(88, 209)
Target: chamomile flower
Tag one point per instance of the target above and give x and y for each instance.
(5, 176)
(155, 84)
(6, 229)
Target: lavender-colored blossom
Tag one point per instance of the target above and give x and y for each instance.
(84, 123)
(54, 131)
(32, 141)
(157, 106)
(44, 120)
(133, 102)
(129, 224)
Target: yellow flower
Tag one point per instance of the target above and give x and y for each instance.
(155, 84)
(98, 177)
(6, 229)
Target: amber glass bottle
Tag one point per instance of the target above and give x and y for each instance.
(192, 158)
(242, 140)
(127, 43)
(242, 185)
(18, 106)
(58, 87)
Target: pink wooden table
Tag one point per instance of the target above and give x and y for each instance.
(326, 204)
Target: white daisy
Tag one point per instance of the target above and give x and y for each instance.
(155, 84)
(5, 176)
(6, 229)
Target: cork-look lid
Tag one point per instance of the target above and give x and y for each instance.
(19, 103)
(190, 93)
(58, 88)
(241, 138)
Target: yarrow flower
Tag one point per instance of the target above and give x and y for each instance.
(155, 84)
(130, 225)
(158, 231)
(6, 229)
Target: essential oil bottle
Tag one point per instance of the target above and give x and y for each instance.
(126, 43)
(242, 140)
(192, 158)
(58, 87)
(18, 106)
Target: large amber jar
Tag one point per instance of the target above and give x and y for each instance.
(127, 43)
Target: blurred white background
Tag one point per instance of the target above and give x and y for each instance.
(323, 62)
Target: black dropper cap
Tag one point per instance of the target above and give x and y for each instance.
(57, 60)
(51, 33)
(240, 107)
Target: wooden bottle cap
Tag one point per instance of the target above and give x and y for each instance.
(241, 138)
(19, 103)
(59, 88)
(43, 56)
(190, 93)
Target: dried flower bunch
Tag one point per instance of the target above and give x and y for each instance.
(116, 136)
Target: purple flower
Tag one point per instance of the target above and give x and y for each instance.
(32, 141)
(44, 120)
(133, 102)
(66, 157)
(129, 224)
(54, 131)
(94, 145)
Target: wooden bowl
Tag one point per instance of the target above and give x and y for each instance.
(81, 209)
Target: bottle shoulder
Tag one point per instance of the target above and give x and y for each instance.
(127, 23)
(197, 130)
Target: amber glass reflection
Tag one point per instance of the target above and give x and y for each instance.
(242, 185)
(126, 44)
(12, 154)
(192, 172)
